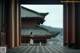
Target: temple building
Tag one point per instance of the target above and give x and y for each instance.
(31, 28)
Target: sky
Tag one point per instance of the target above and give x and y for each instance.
(55, 16)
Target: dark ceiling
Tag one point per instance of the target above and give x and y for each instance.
(39, 1)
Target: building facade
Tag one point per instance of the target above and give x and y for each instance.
(31, 28)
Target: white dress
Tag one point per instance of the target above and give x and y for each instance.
(31, 40)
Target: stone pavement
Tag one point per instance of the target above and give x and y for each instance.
(43, 49)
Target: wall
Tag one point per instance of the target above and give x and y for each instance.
(25, 39)
(28, 23)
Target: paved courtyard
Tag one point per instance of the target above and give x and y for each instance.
(42, 49)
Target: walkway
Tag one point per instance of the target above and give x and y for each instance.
(42, 49)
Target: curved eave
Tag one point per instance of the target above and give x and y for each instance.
(32, 17)
(44, 14)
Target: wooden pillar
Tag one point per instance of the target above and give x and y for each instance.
(12, 23)
(18, 23)
(65, 40)
(17, 26)
(8, 23)
(73, 20)
(77, 25)
(71, 25)
(19, 8)
(1, 16)
(2, 23)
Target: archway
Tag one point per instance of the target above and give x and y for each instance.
(71, 18)
(53, 21)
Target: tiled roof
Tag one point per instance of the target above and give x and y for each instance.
(39, 31)
(25, 12)
(51, 29)
(35, 31)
